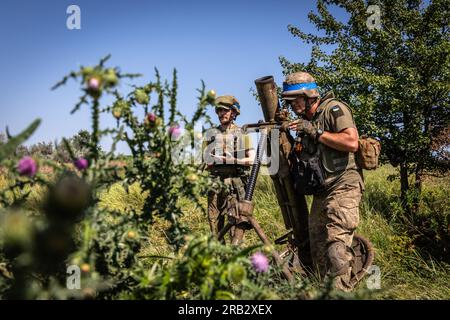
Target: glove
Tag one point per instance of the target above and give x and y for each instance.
(301, 125)
(308, 128)
(286, 125)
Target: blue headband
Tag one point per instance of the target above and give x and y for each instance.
(237, 106)
(299, 86)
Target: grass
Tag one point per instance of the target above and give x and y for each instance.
(406, 248)
(407, 272)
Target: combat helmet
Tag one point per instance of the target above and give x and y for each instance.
(299, 83)
(228, 102)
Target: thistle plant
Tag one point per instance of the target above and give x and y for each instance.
(105, 244)
(111, 240)
(23, 173)
(151, 139)
(205, 269)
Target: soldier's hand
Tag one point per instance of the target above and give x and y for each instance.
(289, 125)
(225, 159)
(301, 125)
(307, 127)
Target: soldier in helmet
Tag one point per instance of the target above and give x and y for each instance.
(327, 169)
(229, 154)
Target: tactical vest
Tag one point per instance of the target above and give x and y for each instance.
(235, 148)
(306, 168)
(334, 162)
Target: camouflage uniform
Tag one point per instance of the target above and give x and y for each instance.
(334, 213)
(233, 176)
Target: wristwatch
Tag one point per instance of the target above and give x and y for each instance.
(319, 132)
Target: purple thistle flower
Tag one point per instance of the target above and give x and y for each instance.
(260, 262)
(27, 167)
(175, 131)
(93, 84)
(81, 163)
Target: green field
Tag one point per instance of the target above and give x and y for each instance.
(404, 245)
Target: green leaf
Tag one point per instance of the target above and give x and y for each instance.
(11, 146)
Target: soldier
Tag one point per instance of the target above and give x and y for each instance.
(327, 169)
(229, 154)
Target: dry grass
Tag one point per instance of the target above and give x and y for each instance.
(406, 271)
(405, 274)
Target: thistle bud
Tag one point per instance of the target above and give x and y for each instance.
(27, 167)
(81, 163)
(141, 96)
(260, 262)
(151, 120)
(87, 71)
(117, 113)
(68, 198)
(119, 107)
(211, 94)
(175, 131)
(110, 77)
(192, 177)
(151, 117)
(132, 235)
(236, 273)
(94, 87)
(94, 84)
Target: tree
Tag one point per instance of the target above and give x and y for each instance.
(43, 149)
(79, 143)
(395, 76)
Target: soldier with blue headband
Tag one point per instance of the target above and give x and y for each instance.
(325, 166)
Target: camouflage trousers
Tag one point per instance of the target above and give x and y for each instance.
(221, 201)
(332, 222)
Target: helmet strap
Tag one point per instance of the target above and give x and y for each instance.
(234, 115)
(307, 103)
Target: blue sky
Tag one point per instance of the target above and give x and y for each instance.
(228, 44)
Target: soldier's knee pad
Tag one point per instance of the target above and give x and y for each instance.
(338, 259)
